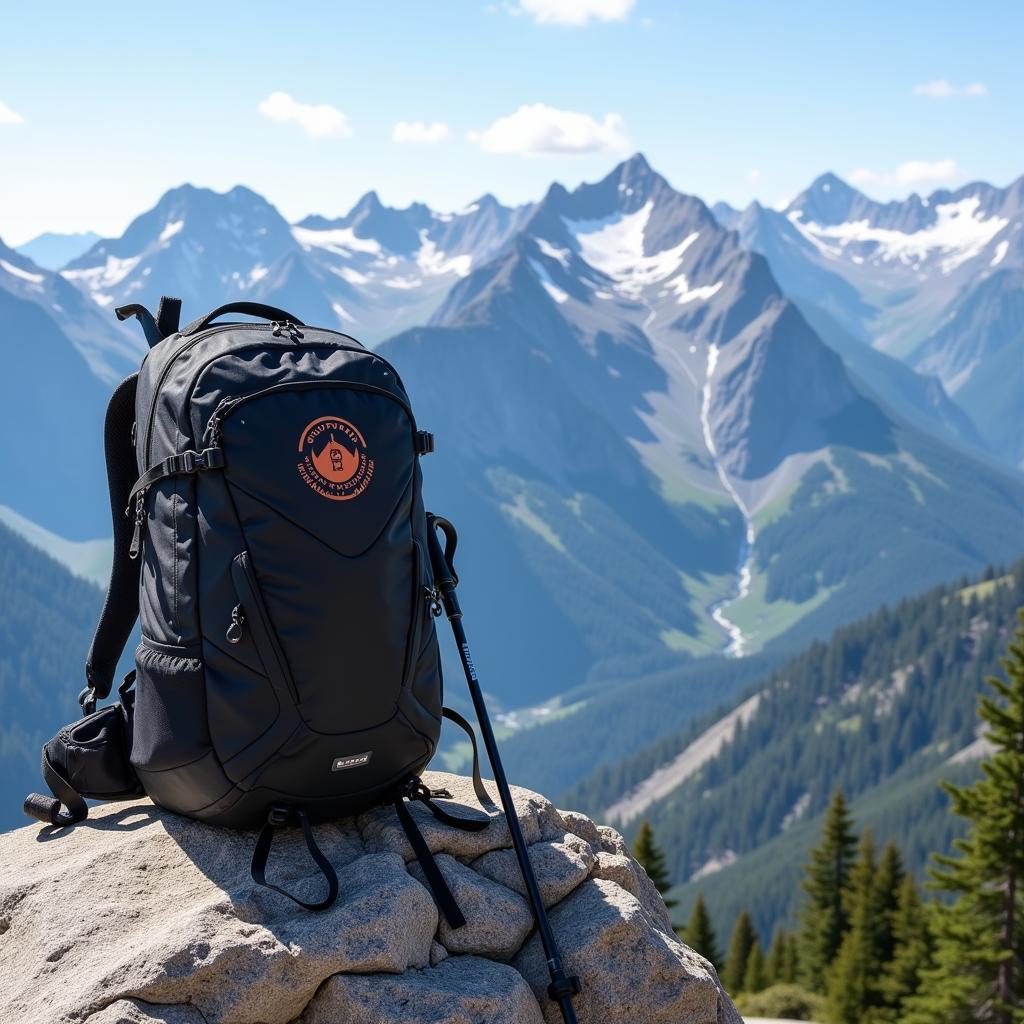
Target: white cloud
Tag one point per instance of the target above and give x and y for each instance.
(418, 131)
(8, 116)
(318, 121)
(941, 89)
(538, 128)
(911, 173)
(574, 12)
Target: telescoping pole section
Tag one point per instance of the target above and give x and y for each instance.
(563, 987)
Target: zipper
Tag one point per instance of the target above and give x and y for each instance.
(253, 612)
(234, 632)
(212, 434)
(140, 522)
(194, 339)
(277, 327)
(427, 599)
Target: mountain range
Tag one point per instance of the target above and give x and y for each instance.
(936, 281)
(655, 446)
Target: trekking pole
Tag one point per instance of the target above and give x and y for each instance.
(563, 987)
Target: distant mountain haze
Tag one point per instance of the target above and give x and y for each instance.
(934, 281)
(653, 451)
(53, 251)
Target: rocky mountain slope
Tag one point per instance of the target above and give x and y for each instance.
(648, 449)
(53, 395)
(635, 391)
(934, 281)
(371, 272)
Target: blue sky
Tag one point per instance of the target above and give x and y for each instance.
(105, 106)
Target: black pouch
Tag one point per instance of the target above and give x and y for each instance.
(88, 759)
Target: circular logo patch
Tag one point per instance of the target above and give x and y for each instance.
(333, 459)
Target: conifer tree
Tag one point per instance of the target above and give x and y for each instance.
(824, 918)
(901, 975)
(651, 858)
(852, 980)
(978, 973)
(700, 936)
(740, 945)
(754, 979)
(775, 965)
(791, 963)
(888, 884)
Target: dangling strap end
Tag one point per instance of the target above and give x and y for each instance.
(43, 808)
(439, 889)
(279, 817)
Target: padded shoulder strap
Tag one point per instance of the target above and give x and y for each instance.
(121, 607)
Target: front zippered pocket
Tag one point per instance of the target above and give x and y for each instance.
(256, 621)
(321, 478)
(228, 406)
(425, 596)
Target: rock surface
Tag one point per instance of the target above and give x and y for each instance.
(138, 916)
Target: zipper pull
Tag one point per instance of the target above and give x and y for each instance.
(140, 519)
(212, 434)
(433, 598)
(234, 633)
(293, 332)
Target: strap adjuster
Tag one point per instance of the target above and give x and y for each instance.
(278, 817)
(424, 442)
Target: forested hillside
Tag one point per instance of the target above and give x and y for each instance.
(46, 622)
(880, 710)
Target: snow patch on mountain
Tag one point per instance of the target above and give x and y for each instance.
(431, 260)
(558, 294)
(684, 293)
(25, 275)
(614, 245)
(553, 252)
(340, 241)
(171, 229)
(957, 235)
(106, 275)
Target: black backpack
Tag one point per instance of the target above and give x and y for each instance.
(270, 537)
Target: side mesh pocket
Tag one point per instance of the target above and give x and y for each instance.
(170, 711)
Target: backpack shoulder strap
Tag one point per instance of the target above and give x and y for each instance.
(121, 607)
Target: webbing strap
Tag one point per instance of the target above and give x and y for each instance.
(280, 816)
(478, 783)
(168, 315)
(121, 606)
(48, 809)
(438, 886)
(175, 465)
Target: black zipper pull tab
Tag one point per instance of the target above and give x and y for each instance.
(212, 434)
(293, 332)
(234, 633)
(140, 519)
